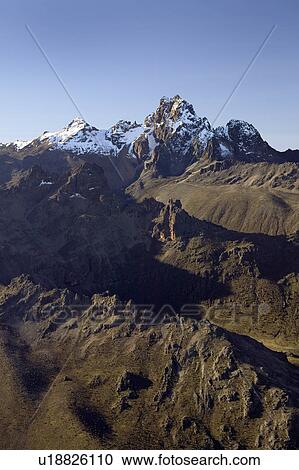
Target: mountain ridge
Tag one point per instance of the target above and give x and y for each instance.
(127, 318)
(228, 175)
(173, 124)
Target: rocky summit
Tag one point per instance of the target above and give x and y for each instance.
(149, 287)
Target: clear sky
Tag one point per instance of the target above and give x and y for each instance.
(117, 58)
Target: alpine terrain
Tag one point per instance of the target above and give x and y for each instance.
(149, 287)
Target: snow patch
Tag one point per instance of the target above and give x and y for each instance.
(77, 195)
(225, 152)
(152, 143)
(80, 137)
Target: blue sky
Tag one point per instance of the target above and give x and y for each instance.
(119, 57)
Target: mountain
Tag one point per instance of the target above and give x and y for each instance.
(79, 137)
(149, 287)
(171, 138)
(174, 135)
(228, 175)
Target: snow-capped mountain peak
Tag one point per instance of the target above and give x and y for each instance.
(77, 137)
(172, 113)
(172, 137)
(179, 131)
(243, 140)
(243, 128)
(80, 137)
(78, 121)
(76, 129)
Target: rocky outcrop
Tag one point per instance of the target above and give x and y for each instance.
(185, 383)
(173, 223)
(86, 182)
